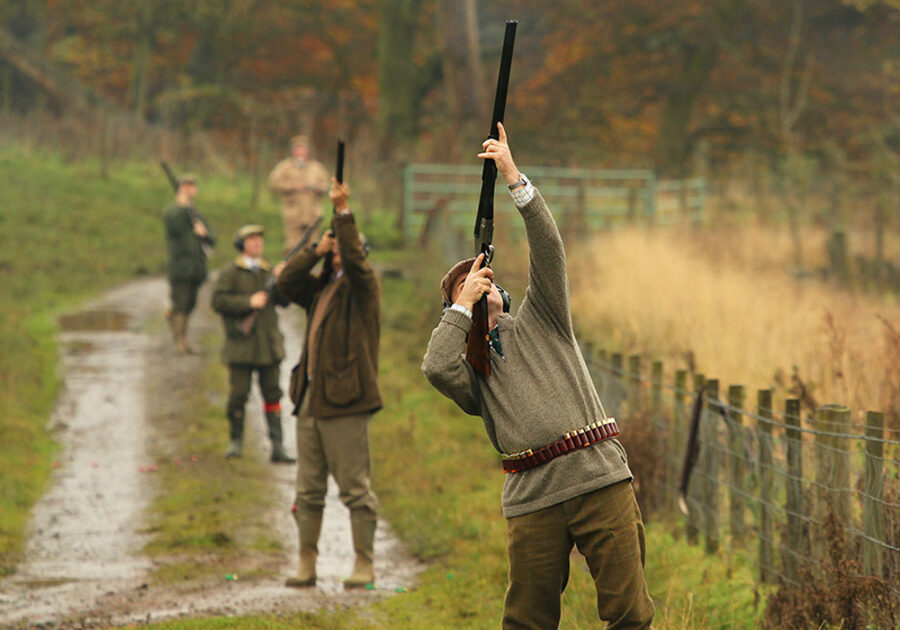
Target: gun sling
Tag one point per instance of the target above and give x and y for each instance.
(571, 441)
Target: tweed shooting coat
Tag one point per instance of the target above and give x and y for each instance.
(187, 261)
(231, 299)
(345, 375)
(540, 388)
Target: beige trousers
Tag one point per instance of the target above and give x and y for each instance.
(339, 446)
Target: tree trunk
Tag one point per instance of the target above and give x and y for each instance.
(461, 59)
(396, 79)
(140, 65)
(674, 137)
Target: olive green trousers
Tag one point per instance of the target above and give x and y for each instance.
(607, 529)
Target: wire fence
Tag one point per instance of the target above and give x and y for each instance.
(798, 494)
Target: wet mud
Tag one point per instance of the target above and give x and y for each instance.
(83, 564)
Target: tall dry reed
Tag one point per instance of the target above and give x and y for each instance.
(727, 301)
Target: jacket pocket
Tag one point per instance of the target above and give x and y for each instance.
(342, 386)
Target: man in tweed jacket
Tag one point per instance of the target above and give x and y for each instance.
(537, 398)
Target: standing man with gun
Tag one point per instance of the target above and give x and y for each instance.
(334, 386)
(241, 289)
(567, 478)
(188, 239)
(300, 182)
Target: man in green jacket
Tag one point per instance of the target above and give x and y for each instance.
(567, 480)
(188, 238)
(334, 387)
(241, 289)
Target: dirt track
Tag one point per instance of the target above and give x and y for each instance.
(83, 565)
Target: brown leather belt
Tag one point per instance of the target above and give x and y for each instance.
(571, 441)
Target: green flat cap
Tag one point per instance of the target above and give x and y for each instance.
(247, 230)
(187, 178)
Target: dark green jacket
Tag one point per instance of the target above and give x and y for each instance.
(187, 260)
(345, 377)
(231, 299)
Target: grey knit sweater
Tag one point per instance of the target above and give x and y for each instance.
(540, 389)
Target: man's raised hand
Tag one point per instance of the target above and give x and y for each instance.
(478, 282)
(498, 150)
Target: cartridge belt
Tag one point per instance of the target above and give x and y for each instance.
(571, 441)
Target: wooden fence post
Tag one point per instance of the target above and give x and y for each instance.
(635, 386)
(873, 506)
(832, 491)
(665, 429)
(656, 381)
(614, 392)
(766, 532)
(679, 422)
(709, 458)
(795, 548)
(694, 492)
(736, 459)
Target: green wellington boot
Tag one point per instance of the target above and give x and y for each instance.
(236, 432)
(279, 455)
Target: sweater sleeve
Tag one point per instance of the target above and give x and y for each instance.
(445, 365)
(548, 286)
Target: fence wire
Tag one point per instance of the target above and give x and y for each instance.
(796, 494)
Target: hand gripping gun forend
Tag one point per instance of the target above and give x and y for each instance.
(478, 346)
(192, 214)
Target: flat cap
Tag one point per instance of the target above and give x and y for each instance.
(248, 230)
(449, 279)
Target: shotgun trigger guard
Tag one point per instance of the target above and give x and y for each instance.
(488, 255)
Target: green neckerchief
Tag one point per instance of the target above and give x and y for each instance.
(495, 340)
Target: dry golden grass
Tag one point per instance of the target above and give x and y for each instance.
(727, 298)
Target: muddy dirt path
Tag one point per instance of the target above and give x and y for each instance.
(83, 565)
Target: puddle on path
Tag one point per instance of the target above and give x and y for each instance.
(83, 565)
(84, 531)
(94, 320)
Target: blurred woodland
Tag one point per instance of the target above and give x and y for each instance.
(788, 91)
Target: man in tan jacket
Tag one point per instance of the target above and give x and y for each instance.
(300, 182)
(334, 386)
(568, 481)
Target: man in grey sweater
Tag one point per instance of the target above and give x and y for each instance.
(567, 477)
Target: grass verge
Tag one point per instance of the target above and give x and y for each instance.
(439, 484)
(68, 235)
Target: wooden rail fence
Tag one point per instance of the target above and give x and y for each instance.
(766, 482)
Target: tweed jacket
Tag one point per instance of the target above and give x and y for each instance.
(345, 378)
(187, 261)
(231, 299)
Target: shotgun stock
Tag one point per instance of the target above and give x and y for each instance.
(478, 352)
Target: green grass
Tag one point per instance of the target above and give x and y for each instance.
(206, 514)
(68, 234)
(74, 235)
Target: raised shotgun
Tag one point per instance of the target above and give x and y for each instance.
(192, 214)
(478, 352)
